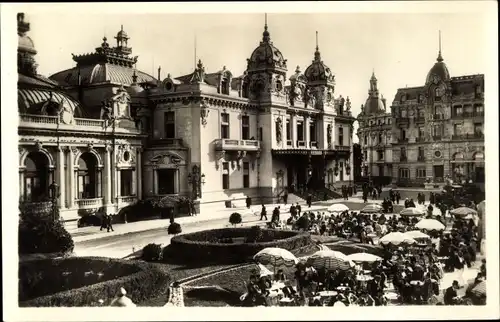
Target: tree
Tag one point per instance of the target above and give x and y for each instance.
(235, 218)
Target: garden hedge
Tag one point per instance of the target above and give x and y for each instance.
(141, 280)
(207, 246)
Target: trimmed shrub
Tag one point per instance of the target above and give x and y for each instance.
(235, 218)
(42, 232)
(207, 245)
(174, 228)
(255, 234)
(151, 252)
(141, 280)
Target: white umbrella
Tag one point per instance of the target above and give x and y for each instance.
(396, 238)
(264, 271)
(416, 234)
(275, 257)
(363, 257)
(412, 212)
(330, 260)
(463, 211)
(337, 207)
(430, 224)
(372, 208)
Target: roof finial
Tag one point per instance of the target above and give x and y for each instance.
(265, 35)
(317, 55)
(440, 57)
(122, 28)
(195, 50)
(317, 47)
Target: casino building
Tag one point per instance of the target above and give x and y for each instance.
(107, 135)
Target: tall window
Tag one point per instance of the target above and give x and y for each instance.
(260, 133)
(421, 132)
(36, 177)
(380, 140)
(341, 171)
(478, 128)
(246, 175)
(421, 153)
(127, 182)
(380, 155)
(88, 179)
(170, 125)
(300, 131)
(458, 110)
(224, 126)
(225, 175)
(403, 153)
(366, 139)
(404, 173)
(225, 86)
(245, 127)
(438, 130)
(312, 131)
(421, 173)
(341, 135)
(457, 129)
(288, 130)
(403, 134)
(478, 108)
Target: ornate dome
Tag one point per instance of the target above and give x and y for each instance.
(26, 44)
(122, 34)
(374, 105)
(438, 72)
(266, 55)
(318, 71)
(134, 88)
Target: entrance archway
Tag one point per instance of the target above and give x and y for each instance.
(36, 177)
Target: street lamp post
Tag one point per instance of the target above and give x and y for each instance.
(195, 179)
(54, 195)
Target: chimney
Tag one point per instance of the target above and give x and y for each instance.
(159, 72)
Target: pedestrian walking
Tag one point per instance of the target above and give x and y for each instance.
(104, 221)
(263, 213)
(285, 197)
(248, 202)
(109, 224)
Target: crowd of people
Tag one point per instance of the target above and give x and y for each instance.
(412, 272)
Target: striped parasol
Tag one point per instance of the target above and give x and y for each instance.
(396, 238)
(463, 211)
(479, 289)
(330, 260)
(412, 212)
(275, 257)
(430, 224)
(372, 208)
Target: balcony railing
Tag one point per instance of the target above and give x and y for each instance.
(421, 158)
(313, 144)
(342, 148)
(39, 119)
(420, 119)
(89, 203)
(438, 117)
(289, 143)
(405, 140)
(172, 143)
(420, 139)
(89, 122)
(301, 144)
(437, 137)
(127, 199)
(400, 120)
(467, 136)
(403, 158)
(478, 114)
(237, 145)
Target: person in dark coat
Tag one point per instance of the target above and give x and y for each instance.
(299, 209)
(450, 294)
(398, 197)
(109, 224)
(285, 197)
(263, 213)
(104, 221)
(309, 200)
(248, 202)
(293, 211)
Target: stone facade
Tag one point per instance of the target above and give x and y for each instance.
(211, 137)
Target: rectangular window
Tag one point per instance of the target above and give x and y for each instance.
(437, 129)
(126, 182)
(457, 129)
(341, 136)
(245, 127)
(403, 154)
(288, 130)
(380, 139)
(224, 126)
(421, 173)
(478, 108)
(341, 171)
(458, 110)
(404, 173)
(225, 175)
(246, 175)
(366, 139)
(312, 131)
(166, 181)
(478, 128)
(170, 125)
(300, 131)
(421, 132)
(403, 134)
(380, 155)
(421, 153)
(421, 113)
(260, 133)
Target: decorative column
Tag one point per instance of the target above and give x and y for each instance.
(108, 197)
(155, 181)
(293, 129)
(139, 173)
(71, 179)
(60, 177)
(118, 185)
(307, 128)
(21, 183)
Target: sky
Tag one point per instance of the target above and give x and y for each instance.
(399, 47)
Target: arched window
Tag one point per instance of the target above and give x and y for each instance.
(89, 179)
(36, 177)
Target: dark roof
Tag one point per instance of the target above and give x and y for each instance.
(32, 100)
(411, 92)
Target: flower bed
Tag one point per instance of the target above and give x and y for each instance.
(83, 281)
(216, 245)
